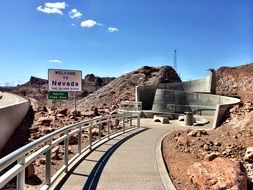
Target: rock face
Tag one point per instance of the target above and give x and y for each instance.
(220, 173)
(91, 83)
(38, 81)
(236, 81)
(123, 87)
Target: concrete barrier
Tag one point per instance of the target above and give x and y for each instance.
(172, 101)
(175, 101)
(221, 109)
(11, 116)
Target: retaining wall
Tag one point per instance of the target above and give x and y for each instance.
(11, 116)
(172, 101)
(146, 94)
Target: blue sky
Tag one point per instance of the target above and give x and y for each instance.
(111, 37)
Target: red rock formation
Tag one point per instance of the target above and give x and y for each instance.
(220, 173)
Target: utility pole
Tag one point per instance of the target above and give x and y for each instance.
(175, 60)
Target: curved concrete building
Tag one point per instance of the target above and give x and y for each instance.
(146, 94)
(196, 96)
(13, 109)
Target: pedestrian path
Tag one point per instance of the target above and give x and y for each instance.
(127, 162)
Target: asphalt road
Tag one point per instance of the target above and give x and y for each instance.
(9, 99)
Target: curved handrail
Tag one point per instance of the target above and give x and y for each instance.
(51, 140)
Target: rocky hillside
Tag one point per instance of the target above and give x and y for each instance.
(229, 146)
(236, 81)
(123, 87)
(37, 88)
(91, 83)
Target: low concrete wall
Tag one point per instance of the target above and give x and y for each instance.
(172, 101)
(180, 101)
(221, 109)
(10, 117)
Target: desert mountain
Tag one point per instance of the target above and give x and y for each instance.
(123, 87)
(37, 88)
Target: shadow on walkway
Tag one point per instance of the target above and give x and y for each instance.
(94, 176)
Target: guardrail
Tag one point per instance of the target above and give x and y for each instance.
(23, 157)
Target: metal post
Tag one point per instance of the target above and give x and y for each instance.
(48, 164)
(108, 128)
(124, 123)
(66, 151)
(54, 105)
(116, 125)
(130, 122)
(79, 140)
(190, 85)
(21, 175)
(100, 130)
(198, 111)
(138, 120)
(75, 101)
(90, 136)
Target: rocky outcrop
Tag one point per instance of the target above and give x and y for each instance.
(91, 83)
(220, 173)
(123, 87)
(37, 81)
(97, 81)
(236, 81)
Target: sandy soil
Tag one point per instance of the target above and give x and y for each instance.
(180, 150)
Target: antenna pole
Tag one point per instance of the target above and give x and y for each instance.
(175, 60)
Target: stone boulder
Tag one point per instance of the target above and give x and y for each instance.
(197, 133)
(63, 111)
(249, 155)
(56, 153)
(46, 130)
(46, 121)
(73, 139)
(220, 173)
(95, 132)
(30, 170)
(87, 113)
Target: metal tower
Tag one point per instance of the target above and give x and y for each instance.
(175, 60)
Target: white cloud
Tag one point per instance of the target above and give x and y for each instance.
(72, 24)
(74, 13)
(100, 24)
(113, 29)
(54, 61)
(49, 10)
(53, 8)
(88, 23)
(57, 5)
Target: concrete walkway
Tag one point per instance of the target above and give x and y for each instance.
(125, 162)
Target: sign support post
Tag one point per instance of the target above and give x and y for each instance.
(75, 101)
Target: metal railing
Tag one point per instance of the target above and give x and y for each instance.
(17, 161)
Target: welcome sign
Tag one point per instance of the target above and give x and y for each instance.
(64, 80)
